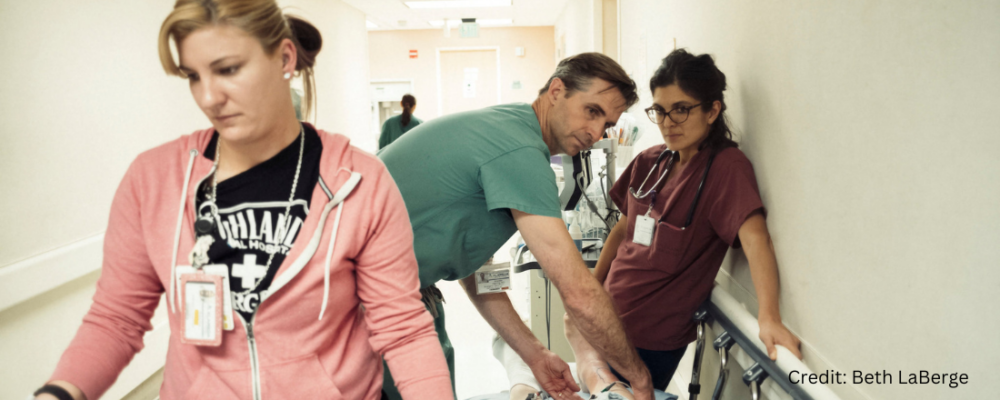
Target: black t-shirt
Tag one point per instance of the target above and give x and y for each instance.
(251, 207)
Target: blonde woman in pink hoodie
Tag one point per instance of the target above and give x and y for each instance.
(285, 253)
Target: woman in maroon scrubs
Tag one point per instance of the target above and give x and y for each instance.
(683, 204)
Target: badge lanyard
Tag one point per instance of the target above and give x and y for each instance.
(205, 288)
(646, 225)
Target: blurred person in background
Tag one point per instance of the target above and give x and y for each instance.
(397, 125)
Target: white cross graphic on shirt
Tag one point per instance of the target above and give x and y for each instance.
(249, 272)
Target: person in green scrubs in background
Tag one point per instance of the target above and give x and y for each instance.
(396, 126)
(471, 180)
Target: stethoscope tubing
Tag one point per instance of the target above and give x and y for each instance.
(697, 196)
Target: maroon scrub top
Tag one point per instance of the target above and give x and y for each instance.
(656, 289)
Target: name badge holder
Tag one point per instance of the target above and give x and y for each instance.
(202, 308)
(228, 321)
(493, 278)
(645, 225)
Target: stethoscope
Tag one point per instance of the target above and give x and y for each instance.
(639, 194)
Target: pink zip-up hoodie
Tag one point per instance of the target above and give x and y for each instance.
(310, 337)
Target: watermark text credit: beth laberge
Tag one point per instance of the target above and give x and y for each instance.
(899, 377)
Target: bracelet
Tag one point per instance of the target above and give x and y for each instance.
(54, 390)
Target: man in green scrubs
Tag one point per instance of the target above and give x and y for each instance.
(471, 180)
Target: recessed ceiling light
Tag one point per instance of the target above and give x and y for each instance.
(370, 25)
(482, 22)
(458, 3)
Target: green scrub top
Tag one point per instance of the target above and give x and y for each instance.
(393, 128)
(459, 176)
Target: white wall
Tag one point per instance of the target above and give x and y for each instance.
(872, 130)
(580, 24)
(81, 94)
(343, 104)
(389, 59)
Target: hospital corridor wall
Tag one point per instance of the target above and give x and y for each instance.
(519, 78)
(81, 95)
(872, 130)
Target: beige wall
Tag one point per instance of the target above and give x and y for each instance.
(341, 68)
(609, 28)
(81, 95)
(389, 59)
(580, 25)
(872, 129)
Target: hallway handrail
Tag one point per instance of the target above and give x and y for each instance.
(744, 328)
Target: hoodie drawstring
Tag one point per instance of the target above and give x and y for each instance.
(180, 220)
(338, 200)
(329, 256)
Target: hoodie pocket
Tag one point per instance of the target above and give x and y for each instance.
(208, 385)
(303, 378)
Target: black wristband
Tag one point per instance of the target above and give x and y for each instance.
(54, 390)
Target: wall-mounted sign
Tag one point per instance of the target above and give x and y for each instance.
(469, 28)
(413, 54)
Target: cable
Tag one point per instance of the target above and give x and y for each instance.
(548, 313)
(590, 204)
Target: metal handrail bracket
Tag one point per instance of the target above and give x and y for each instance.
(743, 328)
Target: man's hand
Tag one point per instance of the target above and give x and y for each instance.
(774, 333)
(586, 302)
(551, 371)
(643, 390)
(554, 375)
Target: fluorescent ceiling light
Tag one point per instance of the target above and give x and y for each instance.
(458, 3)
(370, 25)
(482, 22)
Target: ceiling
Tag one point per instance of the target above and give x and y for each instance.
(394, 14)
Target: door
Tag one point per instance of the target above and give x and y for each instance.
(468, 80)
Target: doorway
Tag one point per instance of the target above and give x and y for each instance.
(468, 78)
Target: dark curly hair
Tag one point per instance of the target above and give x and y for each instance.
(698, 77)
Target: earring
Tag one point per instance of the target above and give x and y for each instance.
(288, 75)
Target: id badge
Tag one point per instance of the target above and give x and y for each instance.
(228, 323)
(493, 278)
(643, 234)
(202, 294)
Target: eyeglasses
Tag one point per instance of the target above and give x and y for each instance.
(678, 115)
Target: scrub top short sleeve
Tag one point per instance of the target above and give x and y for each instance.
(738, 197)
(516, 180)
